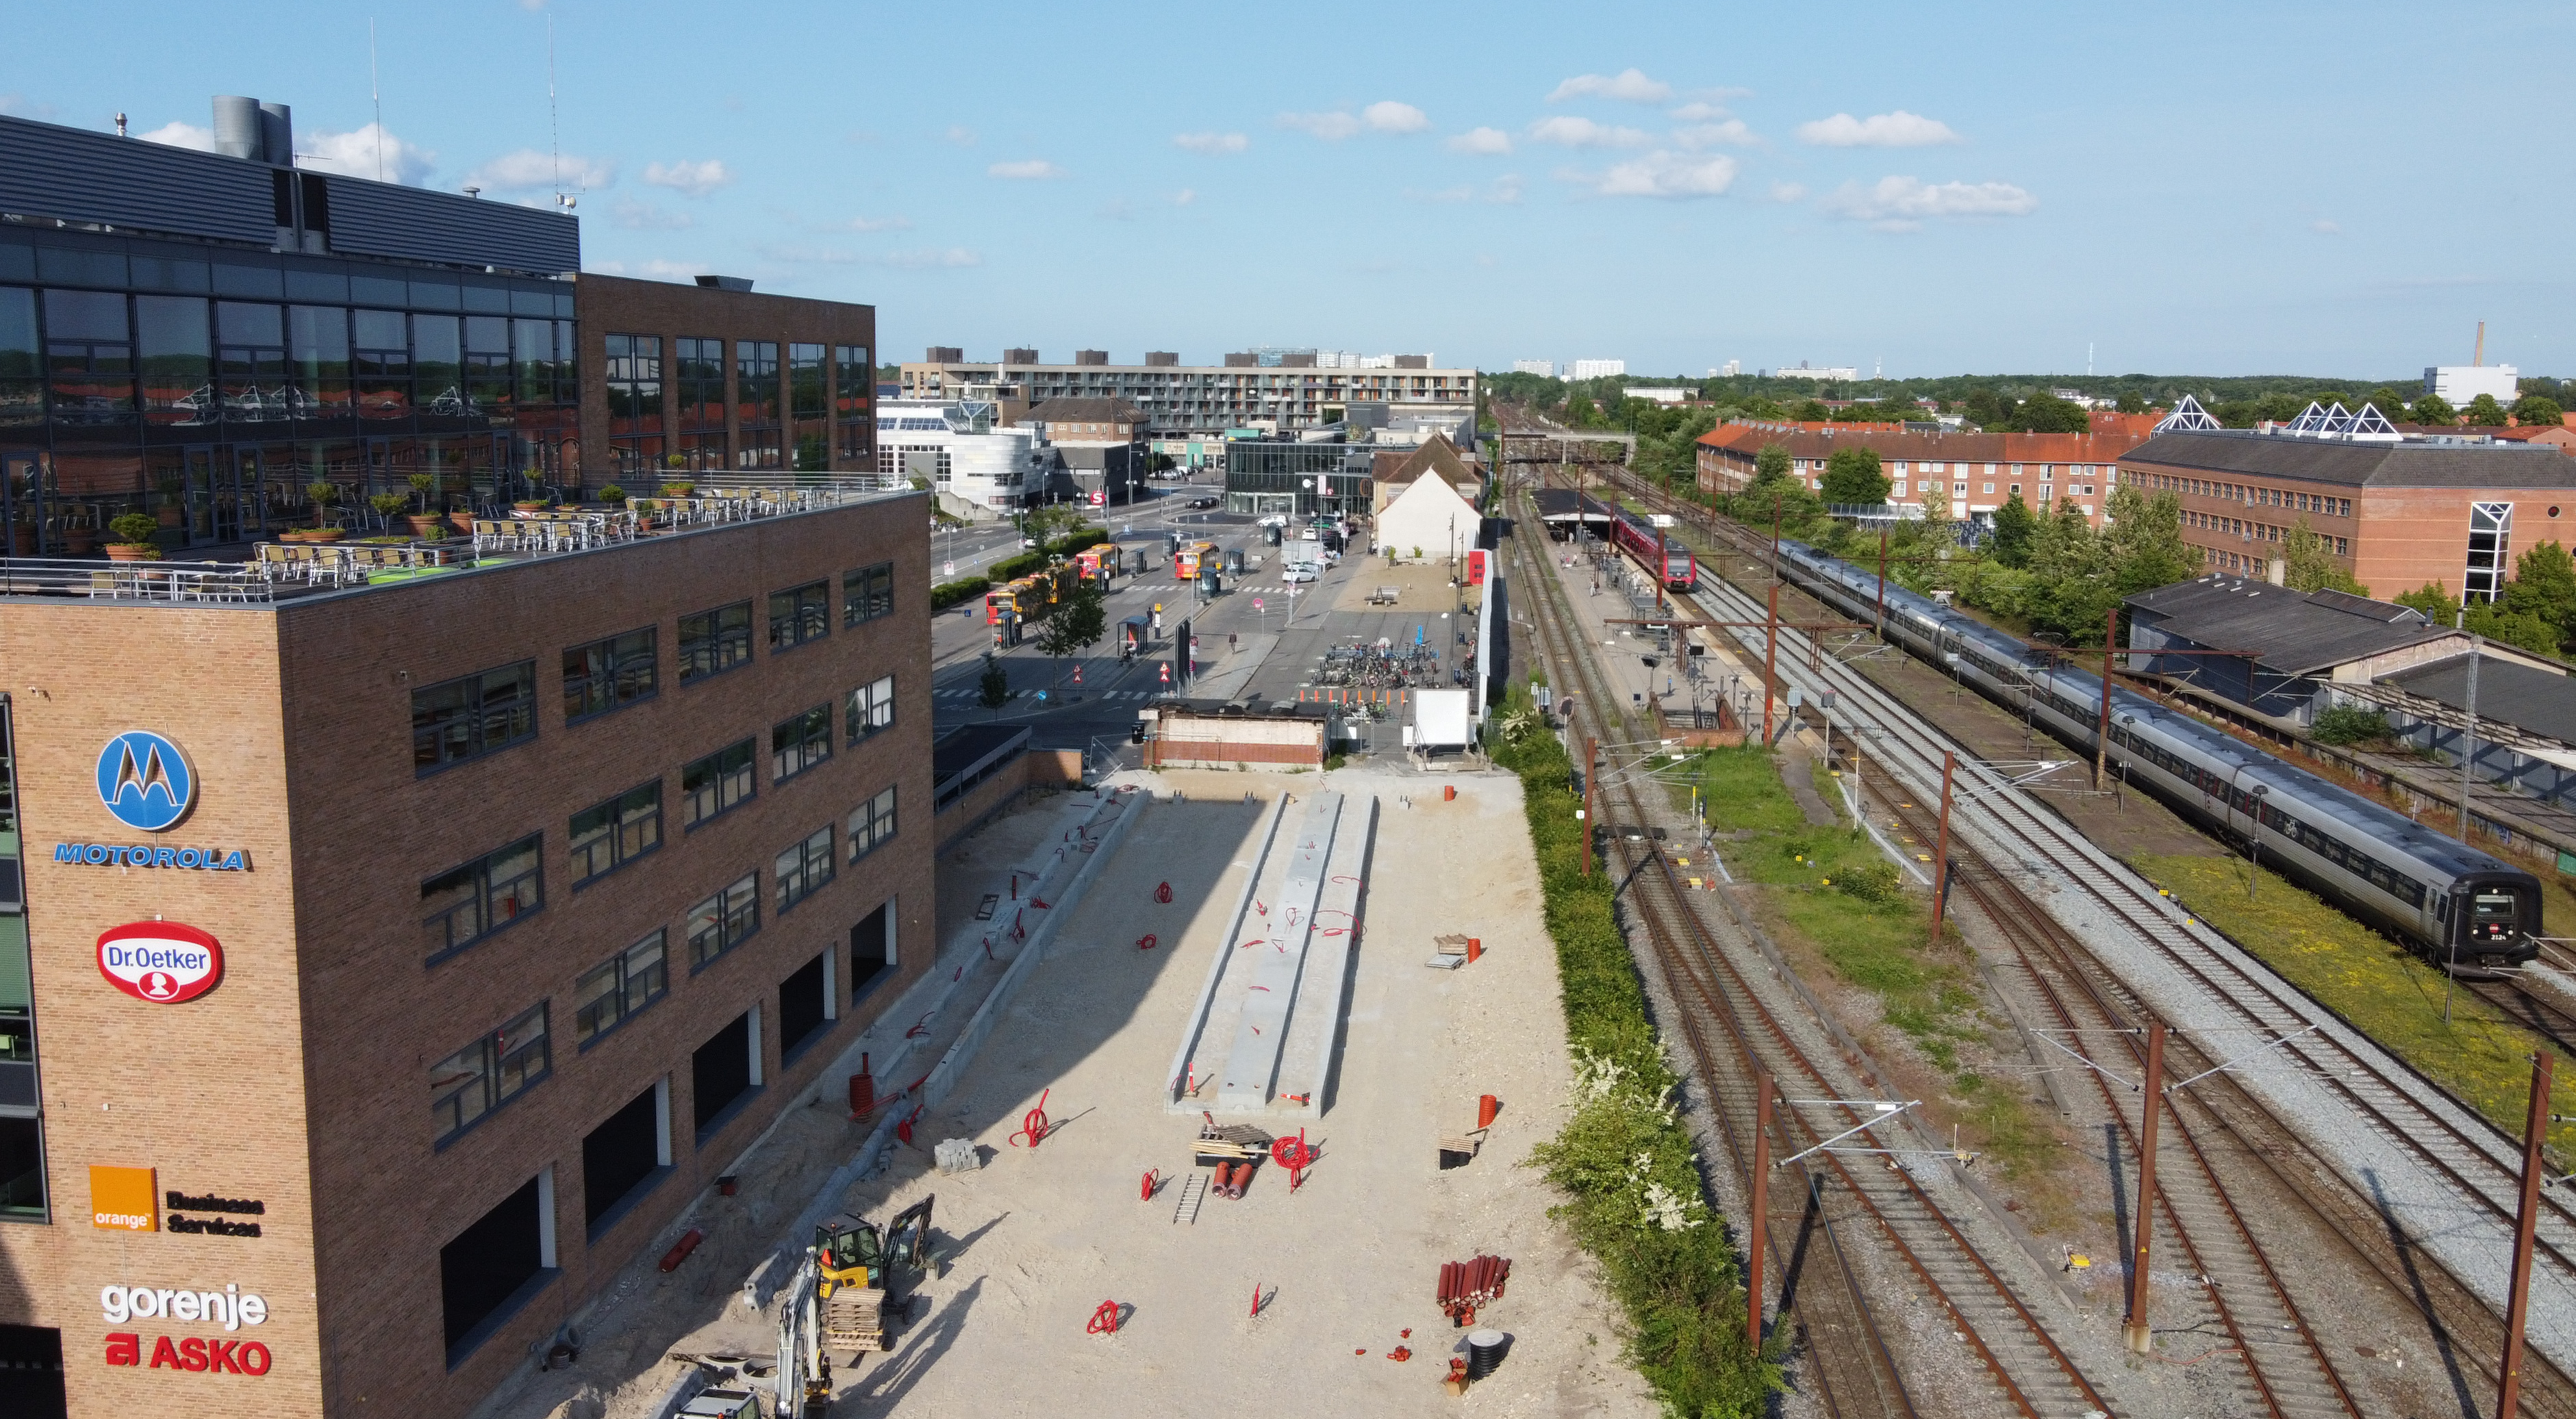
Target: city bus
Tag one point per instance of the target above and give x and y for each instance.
(1186, 562)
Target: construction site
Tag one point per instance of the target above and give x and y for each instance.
(1185, 1100)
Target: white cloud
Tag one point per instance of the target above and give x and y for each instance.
(355, 155)
(879, 224)
(1506, 189)
(2327, 227)
(1460, 193)
(182, 135)
(1880, 130)
(1566, 130)
(1627, 84)
(20, 106)
(948, 259)
(1331, 127)
(1216, 144)
(1698, 112)
(528, 170)
(1661, 174)
(1389, 116)
(1185, 197)
(1902, 204)
(1709, 135)
(1482, 140)
(689, 179)
(960, 135)
(645, 217)
(1788, 192)
(1032, 169)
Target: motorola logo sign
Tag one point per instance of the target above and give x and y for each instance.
(145, 781)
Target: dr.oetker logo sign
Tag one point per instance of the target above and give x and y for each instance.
(145, 781)
(160, 961)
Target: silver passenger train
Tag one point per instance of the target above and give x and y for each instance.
(2457, 906)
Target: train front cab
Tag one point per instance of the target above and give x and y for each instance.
(2488, 921)
(1681, 572)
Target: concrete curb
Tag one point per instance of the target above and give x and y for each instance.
(1216, 967)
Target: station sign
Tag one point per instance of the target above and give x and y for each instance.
(163, 962)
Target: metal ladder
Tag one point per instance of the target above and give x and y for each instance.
(1193, 1188)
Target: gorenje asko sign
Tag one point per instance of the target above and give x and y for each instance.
(228, 1310)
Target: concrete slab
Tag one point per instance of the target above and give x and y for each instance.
(1261, 1022)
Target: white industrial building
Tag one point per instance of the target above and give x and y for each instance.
(1544, 369)
(977, 466)
(1598, 369)
(2459, 384)
(1805, 371)
(1661, 394)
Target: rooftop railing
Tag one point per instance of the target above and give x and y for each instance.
(234, 582)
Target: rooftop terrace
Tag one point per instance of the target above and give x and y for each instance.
(270, 572)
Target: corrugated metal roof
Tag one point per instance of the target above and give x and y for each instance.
(2541, 701)
(381, 219)
(2287, 631)
(48, 170)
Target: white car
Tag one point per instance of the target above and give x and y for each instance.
(1298, 573)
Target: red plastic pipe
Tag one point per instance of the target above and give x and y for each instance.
(680, 1252)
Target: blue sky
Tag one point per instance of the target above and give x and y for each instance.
(2207, 189)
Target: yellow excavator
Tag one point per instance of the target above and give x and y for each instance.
(856, 1263)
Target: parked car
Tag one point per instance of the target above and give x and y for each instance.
(1202, 502)
(1302, 571)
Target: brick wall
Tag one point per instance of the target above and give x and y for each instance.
(297, 720)
(2408, 536)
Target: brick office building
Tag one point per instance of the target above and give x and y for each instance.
(451, 933)
(206, 336)
(2396, 512)
(1981, 470)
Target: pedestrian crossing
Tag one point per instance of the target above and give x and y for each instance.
(975, 692)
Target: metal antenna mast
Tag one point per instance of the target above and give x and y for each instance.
(376, 96)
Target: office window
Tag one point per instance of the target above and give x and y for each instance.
(871, 825)
(801, 743)
(756, 412)
(634, 372)
(805, 868)
(609, 835)
(799, 614)
(724, 921)
(472, 715)
(714, 641)
(89, 355)
(715, 783)
(488, 1073)
(471, 902)
(608, 674)
(700, 387)
(619, 987)
(807, 407)
(853, 382)
(870, 708)
(867, 594)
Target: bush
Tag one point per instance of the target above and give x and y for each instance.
(1877, 884)
(135, 529)
(949, 593)
(1012, 569)
(2348, 724)
(612, 494)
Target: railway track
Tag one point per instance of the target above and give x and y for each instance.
(2405, 1114)
(1733, 1035)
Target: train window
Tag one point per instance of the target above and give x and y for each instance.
(2492, 906)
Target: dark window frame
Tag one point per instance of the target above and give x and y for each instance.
(810, 749)
(800, 615)
(867, 594)
(805, 880)
(607, 676)
(721, 638)
(624, 975)
(878, 809)
(866, 714)
(735, 919)
(748, 769)
(474, 713)
(488, 894)
(490, 1056)
(616, 837)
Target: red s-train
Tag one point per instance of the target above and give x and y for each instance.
(1636, 537)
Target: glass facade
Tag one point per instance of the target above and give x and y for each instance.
(1266, 478)
(756, 422)
(701, 392)
(213, 388)
(22, 1130)
(853, 403)
(634, 374)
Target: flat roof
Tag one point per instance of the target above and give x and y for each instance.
(2295, 633)
(2409, 464)
(2525, 696)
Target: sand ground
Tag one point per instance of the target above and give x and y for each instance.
(1035, 1241)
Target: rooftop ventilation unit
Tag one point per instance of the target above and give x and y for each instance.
(725, 283)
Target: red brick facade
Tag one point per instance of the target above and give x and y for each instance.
(302, 1079)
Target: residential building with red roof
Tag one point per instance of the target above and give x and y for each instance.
(1982, 469)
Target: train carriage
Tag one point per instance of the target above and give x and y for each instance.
(2457, 906)
(1638, 538)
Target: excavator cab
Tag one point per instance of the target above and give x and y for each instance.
(852, 1252)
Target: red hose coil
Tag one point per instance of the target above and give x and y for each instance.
(1104, 1321)
(1148, 941)
(1163, 893)
(1033, 1125)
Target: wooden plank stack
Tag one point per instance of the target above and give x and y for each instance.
(853, 1318)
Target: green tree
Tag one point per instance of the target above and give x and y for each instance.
(2519, 629)
(2432, 409)
(2045, 413)
(1770, 466)
(993, 687)
(2389, 403)
(2131, 402)
(1076, 625)
(2538, 411)
(2069, 562)
(2544, 585)
(1852, 476)
(2485, 413)
(2438, 606)
(1811, 411)
(1987, 409)
(1580, 412)
(2308, 563)
(2144, 541)
(2015, 527)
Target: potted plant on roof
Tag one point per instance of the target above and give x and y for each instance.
(323, 492)
(168, 515)
(390, 506)
(134, 533)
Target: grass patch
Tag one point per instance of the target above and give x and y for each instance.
(1839, 896)
(2386, 992)
(1623, 1161)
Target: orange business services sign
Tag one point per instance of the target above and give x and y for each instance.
(123, 1199)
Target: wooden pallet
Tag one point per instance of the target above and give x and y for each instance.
(1185, 1212)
